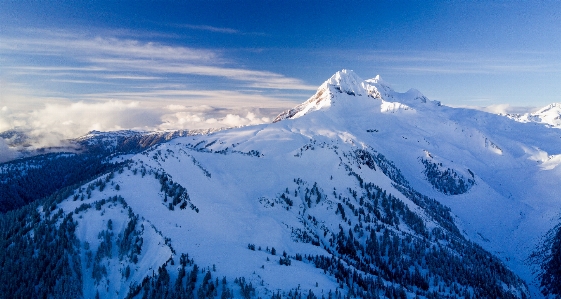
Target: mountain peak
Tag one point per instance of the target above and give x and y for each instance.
(347, 81)
(345, 85)
(342, 82)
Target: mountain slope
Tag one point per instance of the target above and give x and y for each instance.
(360, 191)
(515, 166)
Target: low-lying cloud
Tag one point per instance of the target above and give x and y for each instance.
(191, 120)
(52, 124)
(509, 109)
(504, 109)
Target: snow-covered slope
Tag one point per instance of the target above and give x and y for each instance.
(367, 191)
(548, 115)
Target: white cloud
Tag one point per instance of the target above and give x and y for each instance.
(219, 29)
(132, 77)
(200, 108)
(212, 28)
(205, 116)
(498, 109)
(256, 79)
(5, 123)
(51, 124)
(79, 45)
(54, 123)
(504, 109)
(202, 117)
(82, 55)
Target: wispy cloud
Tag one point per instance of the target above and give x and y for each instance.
(257, 79)
(114, 58)
(76, 46)
(219, 98)
(224, 30)
(51, 69)
(78, 81)
(211, 28)
(132, 77)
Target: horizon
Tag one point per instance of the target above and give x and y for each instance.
(70, 68)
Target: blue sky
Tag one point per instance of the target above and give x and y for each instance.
(72, 66)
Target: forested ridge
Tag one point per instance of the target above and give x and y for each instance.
(25, 180)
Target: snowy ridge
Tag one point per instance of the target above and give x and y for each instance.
(548, 115)
(120, 141)
(111, 141)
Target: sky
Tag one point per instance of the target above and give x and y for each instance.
(68, 67)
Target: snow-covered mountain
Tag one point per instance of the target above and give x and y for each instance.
(347, 82)
(360, 191)
(548, 115)
(75, 160)
(95, 141)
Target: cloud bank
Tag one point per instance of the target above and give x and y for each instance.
(504, 109)
(54, 123)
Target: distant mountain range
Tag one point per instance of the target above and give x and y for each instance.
(360, 191)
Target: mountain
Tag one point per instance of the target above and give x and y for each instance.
(95, 141)
(549, 115)
(42, 171)
(360, 191)
(347, 82)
